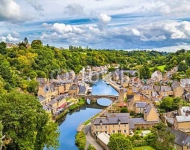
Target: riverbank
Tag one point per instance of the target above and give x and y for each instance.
(111, 83)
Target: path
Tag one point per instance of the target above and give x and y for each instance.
(90, 139)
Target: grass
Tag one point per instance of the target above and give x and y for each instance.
(144, 148)
(161, 68)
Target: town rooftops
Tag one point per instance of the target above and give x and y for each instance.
(73, 87)
(41, 98)
(82, 89)
(181, 138)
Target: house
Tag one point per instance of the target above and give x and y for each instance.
(177, 89)
(112, 123)
(103, 139)
(166, 91)
(182, 120)
(182, 140)
(139, 107)
(147, 90)
(74, 90)
(156, 76)
(150, 113)
(120, 123)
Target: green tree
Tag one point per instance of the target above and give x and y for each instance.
(182, 67)
(3, 48)
(167, 103)
(90, 147)
(161, 138)
(188, 72)
(25, 123)
(144, 72)
(36, 44)
(119, 142)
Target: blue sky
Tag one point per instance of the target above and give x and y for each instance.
(162, 25)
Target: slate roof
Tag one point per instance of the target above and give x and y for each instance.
(41, 98)
(82, 89)
(183, 118)
(181, 138)
(73, 87)
(175, 84)
(140, 104)
(165, 89)
(123, 118)
(147, 87)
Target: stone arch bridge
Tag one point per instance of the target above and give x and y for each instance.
(94, 98)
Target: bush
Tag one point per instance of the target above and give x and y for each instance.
(80, 140)
(90, 147)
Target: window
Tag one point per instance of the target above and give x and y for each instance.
(125, 125)
(119, 131)
(105, 127)
(106, 132)
(96, 127)
(113, 131)
(124, 131)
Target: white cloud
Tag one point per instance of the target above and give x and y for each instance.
(9, 10)
(136, 32)
(10, 38)
(2, 39)
(103, 20)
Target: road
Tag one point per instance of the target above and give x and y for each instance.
(90, 139)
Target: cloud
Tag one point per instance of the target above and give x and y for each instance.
(9, 38)
(75, 10)
(10, 11)
(36, 5)
(103, 20)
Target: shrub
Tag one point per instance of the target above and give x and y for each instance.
(80, 140)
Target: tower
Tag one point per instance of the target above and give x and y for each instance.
(122, 94)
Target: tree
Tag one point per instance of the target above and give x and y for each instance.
(167, 103)
(25, 40)
(182, 67)
(161, 138)
(119, 142)
(3, 48)
(144, 72)
(36, 44)
(25, 123)
(188, 72)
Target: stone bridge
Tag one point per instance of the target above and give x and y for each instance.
(94, 98)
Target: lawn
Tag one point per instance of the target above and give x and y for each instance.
(144, 148)
(161, 68)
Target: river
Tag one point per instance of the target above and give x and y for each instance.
(69, 125)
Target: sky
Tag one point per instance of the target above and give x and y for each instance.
(162, 25)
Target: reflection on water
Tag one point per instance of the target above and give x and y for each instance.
(101, 88)
(69, 125)
(104, 102)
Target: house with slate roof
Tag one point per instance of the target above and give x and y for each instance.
(182, 120)
(177, 89)
(120, 123)
(182, 140)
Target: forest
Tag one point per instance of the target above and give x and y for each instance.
(23, 121)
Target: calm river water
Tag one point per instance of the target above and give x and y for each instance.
(69, 125)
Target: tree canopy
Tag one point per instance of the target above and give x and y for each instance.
(25, 123)
(119, 142)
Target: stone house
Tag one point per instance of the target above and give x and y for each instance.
(182, 121)
(177, 89)
(139, 107)
(182, 140)
(150, 113)
(156, 76)
(73, 90)
(112, 123)
(165, 91)
(147, 90)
